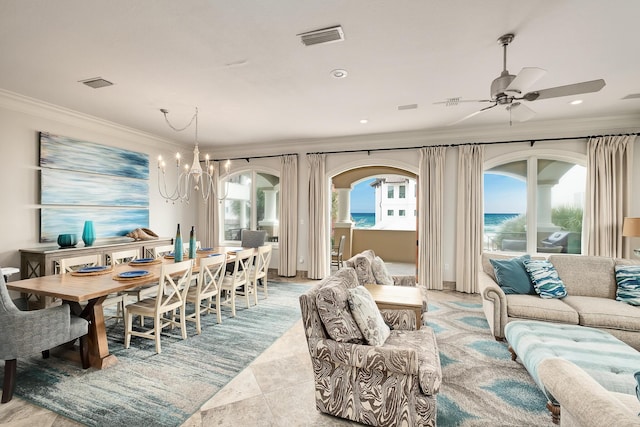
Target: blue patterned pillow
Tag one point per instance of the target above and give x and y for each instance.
(545, 279)
(628, 280)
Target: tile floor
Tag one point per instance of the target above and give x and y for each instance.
(276, 389)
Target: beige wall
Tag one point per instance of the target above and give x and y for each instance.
(390, 245)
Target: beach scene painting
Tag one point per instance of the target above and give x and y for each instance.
(108, 223)
(61, 152)
(81, 181)
(60, 187)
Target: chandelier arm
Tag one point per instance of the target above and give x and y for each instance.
(174, 196)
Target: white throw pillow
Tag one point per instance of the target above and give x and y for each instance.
(367, 316)
(380, 272)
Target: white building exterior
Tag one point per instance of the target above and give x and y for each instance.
(395, 203)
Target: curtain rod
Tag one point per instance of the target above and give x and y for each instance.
(529, 140)
(247, 158)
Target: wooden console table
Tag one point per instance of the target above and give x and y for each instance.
(44, 261)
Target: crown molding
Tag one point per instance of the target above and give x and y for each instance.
(529, 130)
(38, 108)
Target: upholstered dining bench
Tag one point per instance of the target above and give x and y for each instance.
(609, 361)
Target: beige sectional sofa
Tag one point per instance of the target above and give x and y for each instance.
(591, 300)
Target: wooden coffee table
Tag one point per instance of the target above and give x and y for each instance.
(398, 298)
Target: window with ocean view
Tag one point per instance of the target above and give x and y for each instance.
(553, 221)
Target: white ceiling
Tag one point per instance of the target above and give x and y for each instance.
(241, 63)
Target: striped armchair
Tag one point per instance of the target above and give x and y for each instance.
(389, 385)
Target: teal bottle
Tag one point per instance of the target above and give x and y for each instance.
(88, 233)
(192, 243)
(178, 250)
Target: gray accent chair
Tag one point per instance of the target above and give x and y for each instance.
(24, 333)
(253, 238)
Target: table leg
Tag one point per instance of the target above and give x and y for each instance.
(418, 317)
(98, 344)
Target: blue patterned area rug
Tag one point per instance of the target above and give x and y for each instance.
(149, 389)
(481, 385)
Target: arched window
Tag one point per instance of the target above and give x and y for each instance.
(534, 204)
(252, 204)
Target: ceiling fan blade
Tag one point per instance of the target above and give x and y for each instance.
(568, 90)
(452, 102)
(473, 114)
(520, 112)
(525, 79)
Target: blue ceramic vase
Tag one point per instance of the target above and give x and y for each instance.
(67, 240)
(88, 233)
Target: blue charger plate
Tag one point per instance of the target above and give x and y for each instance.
(92, 269)
(133, 274)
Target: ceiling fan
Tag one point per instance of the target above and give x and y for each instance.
(508, 89)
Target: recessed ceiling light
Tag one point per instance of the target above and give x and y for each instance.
(364, 121)
(576, 102)
(339, 74)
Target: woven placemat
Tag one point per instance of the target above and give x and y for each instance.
(155, 261)
(92, 273)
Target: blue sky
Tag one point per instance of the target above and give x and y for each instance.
(502, 195)
(363, 198)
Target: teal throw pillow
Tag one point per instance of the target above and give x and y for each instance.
(512, 276)
(628, 280)
(545, 279)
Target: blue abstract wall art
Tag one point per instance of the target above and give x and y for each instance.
(81, 180)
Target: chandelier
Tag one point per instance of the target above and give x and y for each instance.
(192, 178)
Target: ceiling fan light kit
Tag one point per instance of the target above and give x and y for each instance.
(507, 89)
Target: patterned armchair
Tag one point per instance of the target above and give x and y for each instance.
(24, 333)
(389, 385)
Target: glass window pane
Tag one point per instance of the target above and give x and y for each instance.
(267, 196)
(401, 192)
(390, 192)
(505, 207)
(237, 206)
(560, 203)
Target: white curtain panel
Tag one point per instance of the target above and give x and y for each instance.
(430, 211)
(609, 160)
(318, 262)
(469, 218)
(288, 238)
(212, 214)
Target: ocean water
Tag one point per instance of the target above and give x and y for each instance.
(493, 220)
(364, 219)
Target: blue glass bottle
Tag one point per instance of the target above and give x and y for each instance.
(178, 249)
(88, 233)
(192, 243)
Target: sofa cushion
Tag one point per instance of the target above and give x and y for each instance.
(545, 279)
(380, 272)
(605, 313)
(333, 309)
(362, 265)
(367, 316)
(511, 275)
(628, 280)
(591, 276)
(535, 308)
(423, 341)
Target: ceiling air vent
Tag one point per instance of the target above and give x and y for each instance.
(407, 107)
(324, 35)
(96, 82)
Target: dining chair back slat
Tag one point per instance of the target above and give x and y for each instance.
(207, 289)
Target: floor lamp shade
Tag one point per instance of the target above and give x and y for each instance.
(631, 227)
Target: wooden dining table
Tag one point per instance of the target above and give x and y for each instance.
(75, 289)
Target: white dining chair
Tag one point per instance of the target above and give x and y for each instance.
(170, 296)
(238, 278)
(207, 289)
(259, 271)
